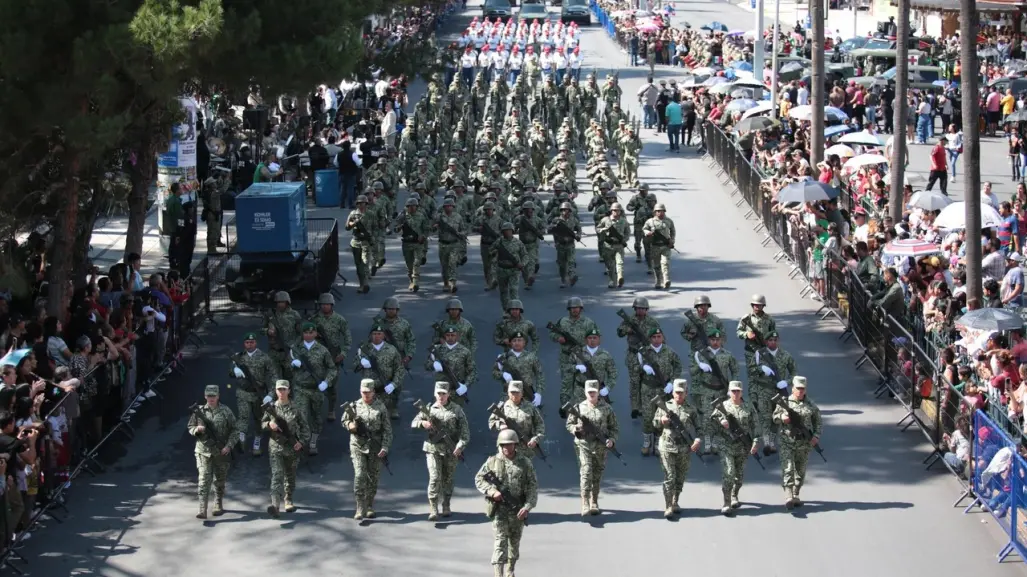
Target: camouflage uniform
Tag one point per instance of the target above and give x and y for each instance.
(591, 452)
(489, 226)
(634, 342)
(210, 463)
(393, 371)
(450, 418)
(508, 271)
(608, 229)
(362, 222)
(697, 326)
(526, 419)
(576, 328)
(398, 331)
(464, 328)
(288, 322)
(661, 235)
(316, 369)
(704, 385)
(507, 326)
(517, 478)
(249, 397)
(373, 419)
(668, 364)
(794, 449)
(603, 366)
(763, 387)
(530, 239)
(458, 359)
(565, 244)
(642, 208)
(525, 367)
(333, 332)
(414, 230)
(450, 244)
(735, 451)
(675, 451)
(284, 458)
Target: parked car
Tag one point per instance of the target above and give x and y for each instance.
(496, 9)
(576, 11)
(531, 12)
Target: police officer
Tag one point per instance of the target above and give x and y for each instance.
(213, 448)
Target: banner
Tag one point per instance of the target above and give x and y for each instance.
(178, 164)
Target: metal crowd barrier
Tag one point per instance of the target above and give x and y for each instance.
(999, 474)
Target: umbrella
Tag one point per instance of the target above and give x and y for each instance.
(836, 130)
(987, 53)
(863, 138)
(790, 67)
(835, 114)
(740, 65)
(647, 27)
(841, 150)
(865, 160)
(715, 27)
(722, 88)
(760, 108)
(755, 124)
(808, 191)
(750, 82)
(715, 80)
(741, 104)
(990, 319)
(805, 112)
(953, 216)
(703, 71)
(914, 247)
(735, 33)
(741, 92)
(15, 357)
(929, 200)
(621, 13)
(1017, 116)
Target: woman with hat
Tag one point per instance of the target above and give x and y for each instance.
(214, 427)
(289, 432)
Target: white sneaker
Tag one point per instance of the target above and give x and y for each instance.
(149, 394)
(139, 399)
(953, 179)
(131, 411)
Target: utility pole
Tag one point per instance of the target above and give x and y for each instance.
(898, 150)
(757, 46)
(969, 21)
(855, 17)
(817, 97)
(773, 59)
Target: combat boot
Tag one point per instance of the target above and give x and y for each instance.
(256, 446)
(674, 503)
(289, 506)
(726, 510)
(497, 570)
(369, 507)
(313, 444)
(219, 506)
(203, 511)
(734, 497)
(510, 568)
(585, 510)
(446, 511)
(331, 416)
(433, 510)
(593, 504)
(358, 511)
(272, 509)
(789, 499)
(796, 502)
(647, 443)
(668, 511)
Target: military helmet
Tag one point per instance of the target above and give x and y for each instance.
(575, 302)
(516, 163)
(412, 202)
(604, 185)
(449, 202)
(459, 184)
(491, 196)
(643, 186)
(362, 199)
(482, 163)
(565, 206)
(758, 299)
(443, 191)
(702, 300)
(326, 299)
(530, 184)
(616, 206)
(282, 297)
(507, 437)
(561, 156)
(506, 226)
(558, 185)
(454, 304)
(660, 206)
(422, 162)
(640, 303)
(452, 160)
(489, 205)
(420, 186)
(378, 185)
(610, 193)
(515, 304)
(391, 303)
(528, 205)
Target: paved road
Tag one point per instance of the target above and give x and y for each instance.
(871, 509)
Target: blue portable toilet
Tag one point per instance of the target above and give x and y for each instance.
(326, 188)
(271, 217)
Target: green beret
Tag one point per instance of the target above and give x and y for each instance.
(377, 328)
(517, 335)
(249, 337)
(655, 331)
(308, 326)
(773, 335)
(713, 332)
(593, 333)
(451, 329)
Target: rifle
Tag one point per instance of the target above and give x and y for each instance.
(569, 341)
(646, 351)
(304, 359)
(435, 434)
(391, 339)
(613, 236)
(676, 424)
(447, 370)
(379, 380)
(735, 430)
(590, 371)
(714, 369)
(209, 433)
(489, 234)
(757, 337)
(766, 358)
(505, 256)
(497, 410)
(664, 240)
(360, 231)
(445, 226)
(248, 377)
(279, 338)
(517, 376)
(349, 410)
(632, 323)
(530, 227)
(508, 500)
(591, 431)
(563, 230)
(700, 332)
(796, 425)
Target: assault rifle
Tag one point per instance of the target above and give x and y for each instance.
(360, 231)
(284, 432)
(304, 359)
(436, 434)
(714, 370)
(489, 234)
(448, 228)
(250, 384)
(645, 351)
(664, 240)
(447, 370)
(757, 337)
(505, 256)
(613, 236)
(680, 429)
(497, 410)
(766, 358)
(517, 376)
(508, 500)
(735, 430)
(590, 371)
(562, 230)
(349, 410)
(379, 379)
(700, 331)
(591, 431)
(633, 324)
(569, 340)
(796, 425)
(530, 227)
(272, 323)
(209, 433)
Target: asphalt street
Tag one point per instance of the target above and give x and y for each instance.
(871, 510)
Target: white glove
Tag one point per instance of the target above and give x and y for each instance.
(296, 363)
(538, 400)
(507, 377)
(767, 370)
(605, 392)
(783, 385)
(648, 370)
(581, 368)
(323, 386)
(705, 367)
(437, 366)
(238, 372)
(267, 399)
(148, 309)
(365, 363)
(389, 388)
(668, 389)
(462, 389)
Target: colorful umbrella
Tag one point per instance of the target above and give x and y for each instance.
(914, 247)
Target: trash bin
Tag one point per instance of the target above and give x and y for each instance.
(326, 188)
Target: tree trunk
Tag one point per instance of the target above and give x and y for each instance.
(817, 96)
(80, 257)
(898, 151)
(969, 21)
(59, 273)
(141, 176)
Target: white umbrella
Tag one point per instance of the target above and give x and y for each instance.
(929, 200)
(750, 82)
(762, 107)
(805, 112)
(703, 71)
(863, 138)
(841, 150)
(865, 160)
(953, 216)
(723, 88)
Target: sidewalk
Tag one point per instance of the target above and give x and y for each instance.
(107, 244)
(837, 20)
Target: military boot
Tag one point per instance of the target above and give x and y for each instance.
(734, 497)
(726, 510)
(289, 506)
(203, 511)
(647, 443)
(593, 503)
(256, 446)
(510, 568)
(272, 509)
(497, 570)
(446, 511)
(313, 444)
(219, 505)
(369, 508)
(795, 497)
(433, 510)
(674, 503)
(585, 510)
(331, 416)
(789, 499)
(358, 512)
(668, 511)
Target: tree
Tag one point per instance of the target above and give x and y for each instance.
(817, 97)
(898, 152)
(969, 21)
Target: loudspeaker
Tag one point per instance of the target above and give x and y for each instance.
(255, 119)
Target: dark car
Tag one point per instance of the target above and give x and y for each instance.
(576, 11)
(497, 9)
(531, 12)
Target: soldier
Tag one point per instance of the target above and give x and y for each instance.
(454, 318)
(370, 429)
(213, 448)
(642, 207)
(282, 327)
(452, 240)
(739, 431)
(636, 330)
(253, 387)
(590, 448)
(660, 365)
(514, 322)
(381, 362)
(593, 363)
(773, 370)
(675, 450)
(414, 229)
(707, 386)
(490, 225)
(289, 433)
(613, 231)
(333, 333)
(451, 357)
(531, 230)
(570, 332)
(313, 367)
(518, 364)
(795, 447)
(698, 323)
(631, 147)
(566, 231)
(212, 213)
(521, 417)
(397, 330)
(660, 231)
(447, 424)
(362, 223)
(753, 329)
(510, 256)
(512, 474)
